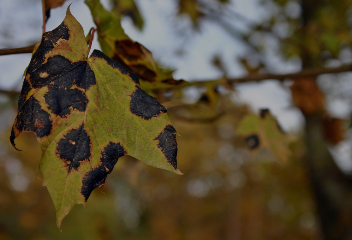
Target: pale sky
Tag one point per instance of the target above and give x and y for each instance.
(159, 37)
(21, 22)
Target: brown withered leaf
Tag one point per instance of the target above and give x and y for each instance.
(54, 3)
(334, 129)
(307, 96)
(132, 55)
(50, 4)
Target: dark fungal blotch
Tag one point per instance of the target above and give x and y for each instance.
(26, 88)
(77, 74)
(144, 72)
(130, 50)
(32, 117)
(96, 177)
(89, 78)
(145, 106)
(49, 39)
(62, 72)
(50, 71)
(61, 32)
(58, 69)
(63, 94)
(61, 101)
(168, 144)
(74, 147)
(253, 141)
(116, 65)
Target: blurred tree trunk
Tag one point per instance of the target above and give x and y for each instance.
(332, 189)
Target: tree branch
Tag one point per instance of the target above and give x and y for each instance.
(9, 93)
(9, 51)
(250, 78)
(266, 76)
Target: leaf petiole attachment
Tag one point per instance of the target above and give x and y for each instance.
(92, 31)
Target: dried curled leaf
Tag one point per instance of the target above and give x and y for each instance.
(50, 4)
(86, 113)
(307, 96)
(54, 3)
(334, 129)
(264, 132)
(134, 56)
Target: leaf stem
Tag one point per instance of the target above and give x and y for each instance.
(44, 20)
(91, 39)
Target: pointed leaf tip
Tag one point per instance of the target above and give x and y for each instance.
(68, 11)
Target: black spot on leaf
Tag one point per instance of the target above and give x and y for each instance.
(26, 88)
(32, 117)
(52, 69)
(116, 65)
(168, 145)
(39, 56)
(61, 32)
(145, 106)
(253, 141)
(46, 45)
(78, 74)
(61, 100)
(74, 147)
(58, 68)
(204, 98)
(96, 177)
(89, 78)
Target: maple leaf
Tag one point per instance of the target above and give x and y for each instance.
(86, 113)
(264, 132)
(134, 56)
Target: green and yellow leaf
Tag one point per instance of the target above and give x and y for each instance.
(86, 114)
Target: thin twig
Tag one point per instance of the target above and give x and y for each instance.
(314, 72)
(198, 120)
(9, 93)
(91, 38)
(44, 18)
(9, 51)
